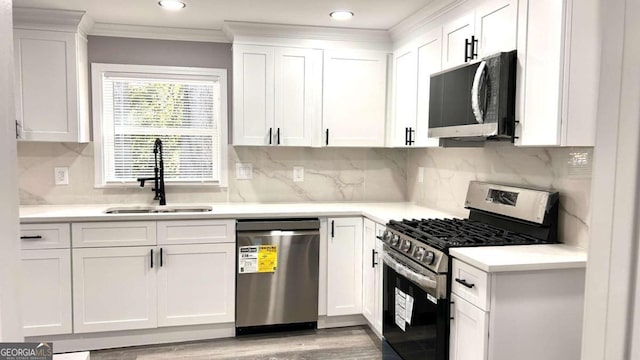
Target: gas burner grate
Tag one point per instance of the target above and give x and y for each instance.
(446, 233)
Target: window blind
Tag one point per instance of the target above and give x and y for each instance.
(182, 112)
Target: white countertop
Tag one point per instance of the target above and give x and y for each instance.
(490, 258)
(378, 212)
(522, 257)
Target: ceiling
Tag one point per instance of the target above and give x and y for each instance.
(210, 14)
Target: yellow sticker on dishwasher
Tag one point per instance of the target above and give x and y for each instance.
(257, 259)
(267, 258)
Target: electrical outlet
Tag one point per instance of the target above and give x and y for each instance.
(61, 175)
(244, 171)
(420, 174)
(298, 173)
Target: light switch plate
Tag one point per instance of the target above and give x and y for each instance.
(298, 173)
(420, 174)
(61, 175)
(244, 171)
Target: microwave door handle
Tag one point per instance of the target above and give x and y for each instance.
(478, 113)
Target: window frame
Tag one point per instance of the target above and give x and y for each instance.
(97, 71)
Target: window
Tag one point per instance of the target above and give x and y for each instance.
(184, 107)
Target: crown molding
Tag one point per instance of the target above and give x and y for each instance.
(238, 31)
(427, 14)
(158, 33)
(47, 19)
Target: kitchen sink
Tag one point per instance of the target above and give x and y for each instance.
(157, 209)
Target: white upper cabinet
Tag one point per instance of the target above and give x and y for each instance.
(412, 69)
(253, 95)
(456, 41)
(490, 27)
(276, 95)
(496, 26)
(354, 98)
(558, 78)
(51, 79)
(298, 87)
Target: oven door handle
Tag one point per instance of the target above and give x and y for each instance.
(410, 274)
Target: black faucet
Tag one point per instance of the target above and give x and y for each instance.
(159, 174)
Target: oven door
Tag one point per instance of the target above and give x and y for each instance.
(416, 312)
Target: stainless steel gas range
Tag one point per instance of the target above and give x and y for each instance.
(417, 278)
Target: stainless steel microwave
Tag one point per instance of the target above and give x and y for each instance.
(475, 101)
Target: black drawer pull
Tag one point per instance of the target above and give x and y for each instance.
(465, 283)
(151, 257)
(31, 237)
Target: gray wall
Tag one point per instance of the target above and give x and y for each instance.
(117, 50)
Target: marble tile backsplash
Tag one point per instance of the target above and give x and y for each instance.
(336, 174)
(447, 173)
(330, 174)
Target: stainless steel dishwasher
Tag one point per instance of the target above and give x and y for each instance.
(277, 274)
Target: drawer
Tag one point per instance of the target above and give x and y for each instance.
(117, 233)
(471, 284)
(45, 236)
(196, 231)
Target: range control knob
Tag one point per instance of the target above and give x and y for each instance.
(406, 246)
(386, 236)
(419, 253)
(429, 257)
(394, 240)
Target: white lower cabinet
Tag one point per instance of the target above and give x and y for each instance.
(114, 289)
(45, 295)
(469, 335)
(524, 315)
(344, 266)
(372, 275)
(142, 287)
(196, 284)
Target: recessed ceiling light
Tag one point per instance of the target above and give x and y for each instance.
(172, 4)
(341, 14)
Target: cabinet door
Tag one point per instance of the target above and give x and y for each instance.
(344, 266)
(469, 333)
(253, 95)
(369, 271)
(454, 35)
(378, 281)
(354, 97)
(405, 94)
(496, 26)
(196, 284)
(46, 85)
(298, 94)
(114, 289)
(46, 292)
(429, 54)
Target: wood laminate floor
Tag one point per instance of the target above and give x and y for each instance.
(328, 344)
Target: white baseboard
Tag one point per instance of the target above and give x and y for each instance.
(117, 339)
(327, 322)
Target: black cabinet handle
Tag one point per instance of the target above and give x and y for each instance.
(278, 136)
(31, 237)
(333, 228)
(151, 257)
(327, 137)
(270, 136)
(474, 47)
(465, 283)
(467, 45)
(160, 257)
(411, 132)
(373, 258)
(17, 131)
